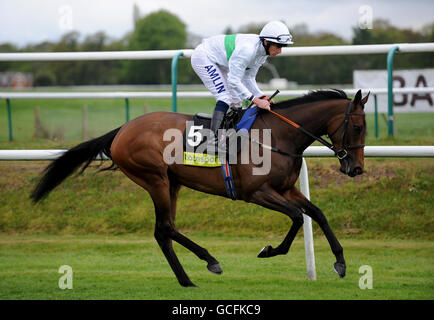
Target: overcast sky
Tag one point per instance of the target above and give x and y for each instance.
(26, 21)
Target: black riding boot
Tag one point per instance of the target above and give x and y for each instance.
(217, 118)
(216, 121)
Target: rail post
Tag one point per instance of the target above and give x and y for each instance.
(307, 225)
(127, 109)
(175, 80)
(376, 115)
(390, 117)
(9, 109)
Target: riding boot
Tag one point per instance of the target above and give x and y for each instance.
(218, 116)
(217, 119)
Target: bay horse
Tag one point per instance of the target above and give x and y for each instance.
(137, 150)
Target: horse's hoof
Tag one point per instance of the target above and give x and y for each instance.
(188, 284)
(340, 269)
(215, 268)
(265, 252)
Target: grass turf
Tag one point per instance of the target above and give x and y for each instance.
(133, 267)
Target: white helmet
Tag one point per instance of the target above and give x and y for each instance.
(277, 32)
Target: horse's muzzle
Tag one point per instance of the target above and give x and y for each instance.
(349, 169)
(355, 172)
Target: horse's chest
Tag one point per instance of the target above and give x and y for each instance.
(284, 176)
(282, 182)
(283, 179)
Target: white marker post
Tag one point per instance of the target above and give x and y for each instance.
(307, 225)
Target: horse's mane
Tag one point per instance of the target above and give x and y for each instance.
(312, 96)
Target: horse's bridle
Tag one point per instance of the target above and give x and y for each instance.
(342, 153)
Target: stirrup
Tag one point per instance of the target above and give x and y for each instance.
(221, 143)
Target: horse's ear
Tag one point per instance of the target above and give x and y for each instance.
(365, 99)
(357, 97)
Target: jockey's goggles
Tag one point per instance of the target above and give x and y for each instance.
(282, 39)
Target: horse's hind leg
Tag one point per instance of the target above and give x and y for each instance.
(164, 193)
(163, 231)
(213, 265)
(165, 244)
(158, 186)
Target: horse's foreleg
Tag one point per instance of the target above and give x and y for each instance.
(283, 248)
(318, 216)
(271, 199)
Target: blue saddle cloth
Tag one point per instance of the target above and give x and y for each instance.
(248, 118)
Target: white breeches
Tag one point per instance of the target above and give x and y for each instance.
(212, 76)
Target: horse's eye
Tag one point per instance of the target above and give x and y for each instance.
(357, 128)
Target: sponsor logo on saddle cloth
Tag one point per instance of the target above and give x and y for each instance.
(201, 159)
(198, 149)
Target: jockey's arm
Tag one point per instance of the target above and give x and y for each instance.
(237, 68)
(249, 80)
(237, 75)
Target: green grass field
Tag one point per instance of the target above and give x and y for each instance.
(102, 224)
(133, 267)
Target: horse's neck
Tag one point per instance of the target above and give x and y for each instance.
(314, 118)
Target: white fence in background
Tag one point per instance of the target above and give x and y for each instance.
(183, 94)
(314, 151)
(168, 54)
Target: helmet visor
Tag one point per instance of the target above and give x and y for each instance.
(283, 39)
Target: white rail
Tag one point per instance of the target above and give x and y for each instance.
(182, 94)
(313, 151)
(92, 56)
(168, 54)
(378, 151)
(357, 49)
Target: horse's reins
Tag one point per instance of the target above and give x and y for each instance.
(341, 153)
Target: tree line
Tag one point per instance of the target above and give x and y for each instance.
(162, 30)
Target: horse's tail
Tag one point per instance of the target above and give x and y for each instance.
(70, 161)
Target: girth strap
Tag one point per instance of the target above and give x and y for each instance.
(229, 181)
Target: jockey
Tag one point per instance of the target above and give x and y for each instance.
(228, 64)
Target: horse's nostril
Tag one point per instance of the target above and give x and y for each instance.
(358, 170)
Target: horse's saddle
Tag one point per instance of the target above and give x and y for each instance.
(200, 143)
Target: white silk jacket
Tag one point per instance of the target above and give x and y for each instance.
(240, 56)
